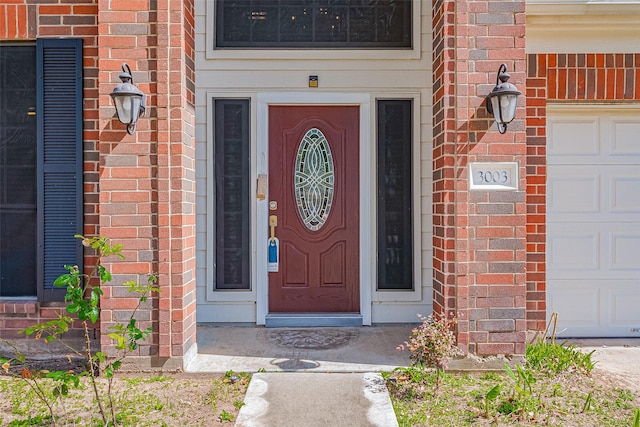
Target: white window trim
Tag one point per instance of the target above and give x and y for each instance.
(415, 294)
(259, 104)
(312, 53)
(228, 295)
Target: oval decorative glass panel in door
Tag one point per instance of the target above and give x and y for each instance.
(314, 179)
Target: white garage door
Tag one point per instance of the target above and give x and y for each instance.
(593, 221)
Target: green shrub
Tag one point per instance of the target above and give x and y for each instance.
(432, 343)
(83, 293)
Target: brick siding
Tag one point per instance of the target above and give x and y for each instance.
(483, 241)
(140, 189)
(562, 77)
(147, 181)
(479, 236)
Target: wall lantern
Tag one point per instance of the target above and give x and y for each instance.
(503, 99)
(129, 100)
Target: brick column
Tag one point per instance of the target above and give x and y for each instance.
(147, 180)
(479, 236)
(176, 173)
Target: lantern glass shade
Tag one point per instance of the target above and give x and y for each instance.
(504, 107)
(127, 107)
(128, 99)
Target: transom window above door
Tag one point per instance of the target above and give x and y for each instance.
(344, 24)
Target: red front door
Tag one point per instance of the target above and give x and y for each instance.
(313, 191)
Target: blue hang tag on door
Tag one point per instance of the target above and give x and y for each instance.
(273, 251)
(272, 255)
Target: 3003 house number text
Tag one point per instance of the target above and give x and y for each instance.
(493, 177)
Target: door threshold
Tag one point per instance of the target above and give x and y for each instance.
(309, 320)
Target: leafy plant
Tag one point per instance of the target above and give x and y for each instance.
(636, 418)
(432, 344)
(523, 378)
(83, 292)
(225, 416)
(523, 400)
(491, 396)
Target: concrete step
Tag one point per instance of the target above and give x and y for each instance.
(303, 399)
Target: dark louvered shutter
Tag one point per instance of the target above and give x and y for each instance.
(59, 160)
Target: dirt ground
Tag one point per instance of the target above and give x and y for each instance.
(141, 399)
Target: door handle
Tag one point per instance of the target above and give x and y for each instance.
(273, 223)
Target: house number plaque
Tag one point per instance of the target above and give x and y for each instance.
(493, 176)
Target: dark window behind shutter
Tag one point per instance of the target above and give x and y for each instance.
(18, 143)
(59, 114)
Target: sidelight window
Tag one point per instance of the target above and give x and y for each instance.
(395, 231)
(231, 151)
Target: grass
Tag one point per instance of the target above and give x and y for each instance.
(554, 388)
(462, 399)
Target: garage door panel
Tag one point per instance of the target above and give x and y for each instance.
(573, 190)
(623, 141)
(574, 250)
(575, 303)
(570, 248)
(593, 193)
(624, 253)
(625, 190)
(625, 301)
(586, 309)
(574, 136)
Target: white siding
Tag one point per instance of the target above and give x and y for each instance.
(376, 74)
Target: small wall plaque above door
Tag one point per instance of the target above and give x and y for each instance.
(493, 176)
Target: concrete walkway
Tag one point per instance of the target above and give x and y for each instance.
(287, 399)
(616, 358)
(315, 377)
(320, 377)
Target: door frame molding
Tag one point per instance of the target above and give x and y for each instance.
(367, 183)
